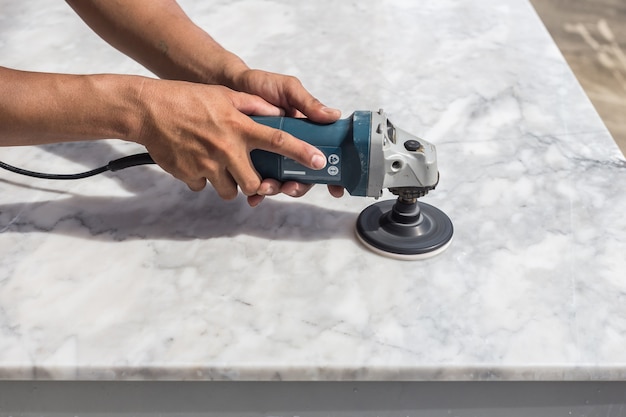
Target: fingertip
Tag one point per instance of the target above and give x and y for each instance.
(269, 187)
(318, 161)
(284, 143)
(255, 200)
(336, 191)
(197, 185)
(290, 189)
(295, 189)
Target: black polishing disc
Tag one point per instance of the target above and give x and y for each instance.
(404, 230)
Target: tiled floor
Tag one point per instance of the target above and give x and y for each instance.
(592, 36)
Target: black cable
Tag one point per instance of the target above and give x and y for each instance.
(115, 165)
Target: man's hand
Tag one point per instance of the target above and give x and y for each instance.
(200, 132)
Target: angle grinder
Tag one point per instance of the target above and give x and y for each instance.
(365, 153)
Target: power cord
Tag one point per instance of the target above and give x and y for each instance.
(115, 165)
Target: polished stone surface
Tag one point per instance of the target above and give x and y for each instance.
(132, 276)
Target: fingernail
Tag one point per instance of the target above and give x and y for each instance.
(318, 161)
(255, 200)
(265, 189)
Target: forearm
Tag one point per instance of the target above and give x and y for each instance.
(39, 108)
(160, 36)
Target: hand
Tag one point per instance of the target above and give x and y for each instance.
(287, 93)
(200, 132)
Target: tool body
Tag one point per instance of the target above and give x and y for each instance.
(345, 143)
(366, 153)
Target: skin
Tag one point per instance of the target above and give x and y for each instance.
(193, 120)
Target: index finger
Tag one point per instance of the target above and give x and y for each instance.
(283, 143)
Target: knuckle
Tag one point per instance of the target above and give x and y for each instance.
(210, 169)
(250, 187)
(234, 121)
(278, 139)
(293, 82)
(314, 102)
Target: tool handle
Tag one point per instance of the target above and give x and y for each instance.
(335, 140)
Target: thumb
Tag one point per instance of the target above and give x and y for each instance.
(300, 99)
(313, 108)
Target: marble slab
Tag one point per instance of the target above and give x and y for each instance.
(130, 276)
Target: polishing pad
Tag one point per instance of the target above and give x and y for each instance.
(407, 231)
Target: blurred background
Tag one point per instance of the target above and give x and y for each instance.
(591, 34)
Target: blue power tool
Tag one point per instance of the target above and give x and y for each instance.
(365, 153)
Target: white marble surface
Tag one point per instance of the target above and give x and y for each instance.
(132, 276)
